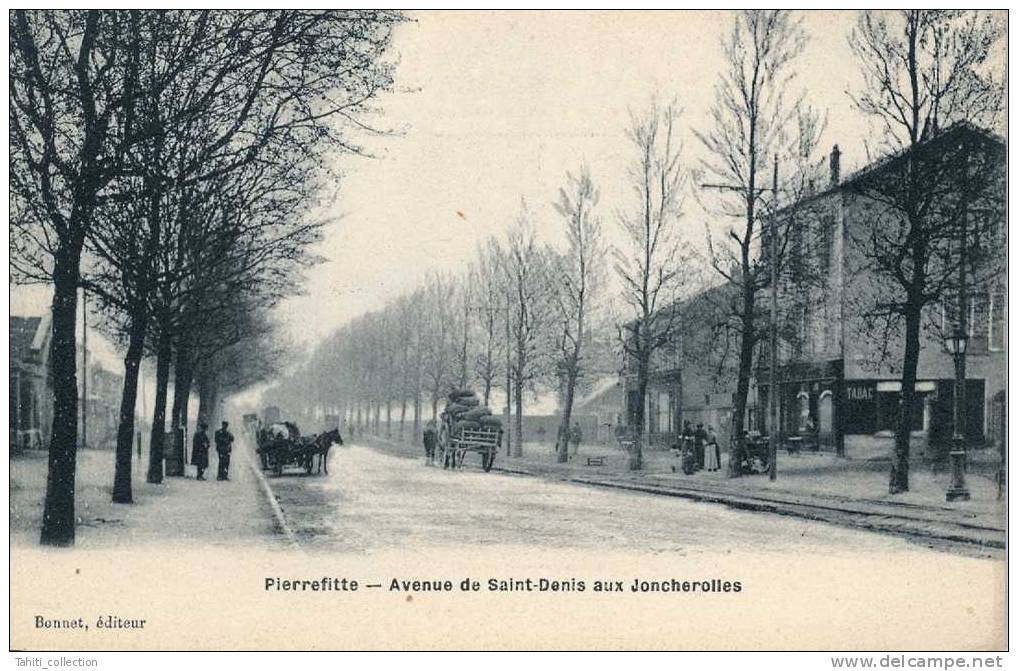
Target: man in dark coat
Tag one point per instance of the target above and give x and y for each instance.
(224, 445)
(430, 437)
(200, 450)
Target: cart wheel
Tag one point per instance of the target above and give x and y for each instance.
(487, 460)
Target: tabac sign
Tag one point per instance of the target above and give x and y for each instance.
(860, 391)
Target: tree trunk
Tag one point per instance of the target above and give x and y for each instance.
(388, 419)
(207, 393)
(417, 416)
(564, 431)
(736, 441)
(517, 447)
(402, 417)
(58, 510)
(128, 401)
(155, 452)
(182, 378)
(487, 390)
(903, 432)
(636, 454)
(507, 434)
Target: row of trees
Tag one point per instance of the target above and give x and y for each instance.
(520, 317)
(166, 162)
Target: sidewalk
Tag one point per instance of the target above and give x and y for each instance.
(814, 486)
(180, 512)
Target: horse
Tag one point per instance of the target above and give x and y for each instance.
(318, 446)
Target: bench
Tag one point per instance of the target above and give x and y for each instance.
(595, 461)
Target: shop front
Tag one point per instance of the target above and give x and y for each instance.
(809, 398)
(871, 407)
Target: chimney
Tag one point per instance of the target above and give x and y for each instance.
(835, 166)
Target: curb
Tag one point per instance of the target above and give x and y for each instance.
(277, 510)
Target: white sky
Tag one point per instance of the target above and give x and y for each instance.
(495, 107)
(502, 105)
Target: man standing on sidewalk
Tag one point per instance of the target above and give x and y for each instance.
(200, 450)
(224, 445)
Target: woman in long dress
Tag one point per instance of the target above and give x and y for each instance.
(712, 453)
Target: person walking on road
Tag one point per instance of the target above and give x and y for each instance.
(430, 437)
(200, 450)
(224, 445)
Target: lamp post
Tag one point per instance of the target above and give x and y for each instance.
(958, 491)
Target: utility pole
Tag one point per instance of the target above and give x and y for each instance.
(507, 430)
(772, 397)
(84, 367)
(772, 401)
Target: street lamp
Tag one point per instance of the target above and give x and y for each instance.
(958, 491)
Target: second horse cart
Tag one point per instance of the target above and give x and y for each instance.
(467, 427)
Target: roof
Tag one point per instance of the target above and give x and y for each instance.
(23, 331)
(601, 388)
(955, 130)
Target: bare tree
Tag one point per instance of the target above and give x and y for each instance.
(526, 266)
(923, 70)
(490, 313)
(579, 278)
(464, 297)
(437, 341)
(406, 315)
(651, 265)
(73, 88)
(754, 120)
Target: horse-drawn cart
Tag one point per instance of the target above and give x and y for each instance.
(467, 427)
(281, 445)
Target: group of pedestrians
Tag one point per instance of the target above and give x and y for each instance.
(699, 450)
(200, 450)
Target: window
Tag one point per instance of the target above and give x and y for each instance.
(664, 413)
(997, 320)
(978, 321)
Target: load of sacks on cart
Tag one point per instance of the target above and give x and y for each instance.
(463, 411)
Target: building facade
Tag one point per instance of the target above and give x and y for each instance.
(30, 382)
(839, 382)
